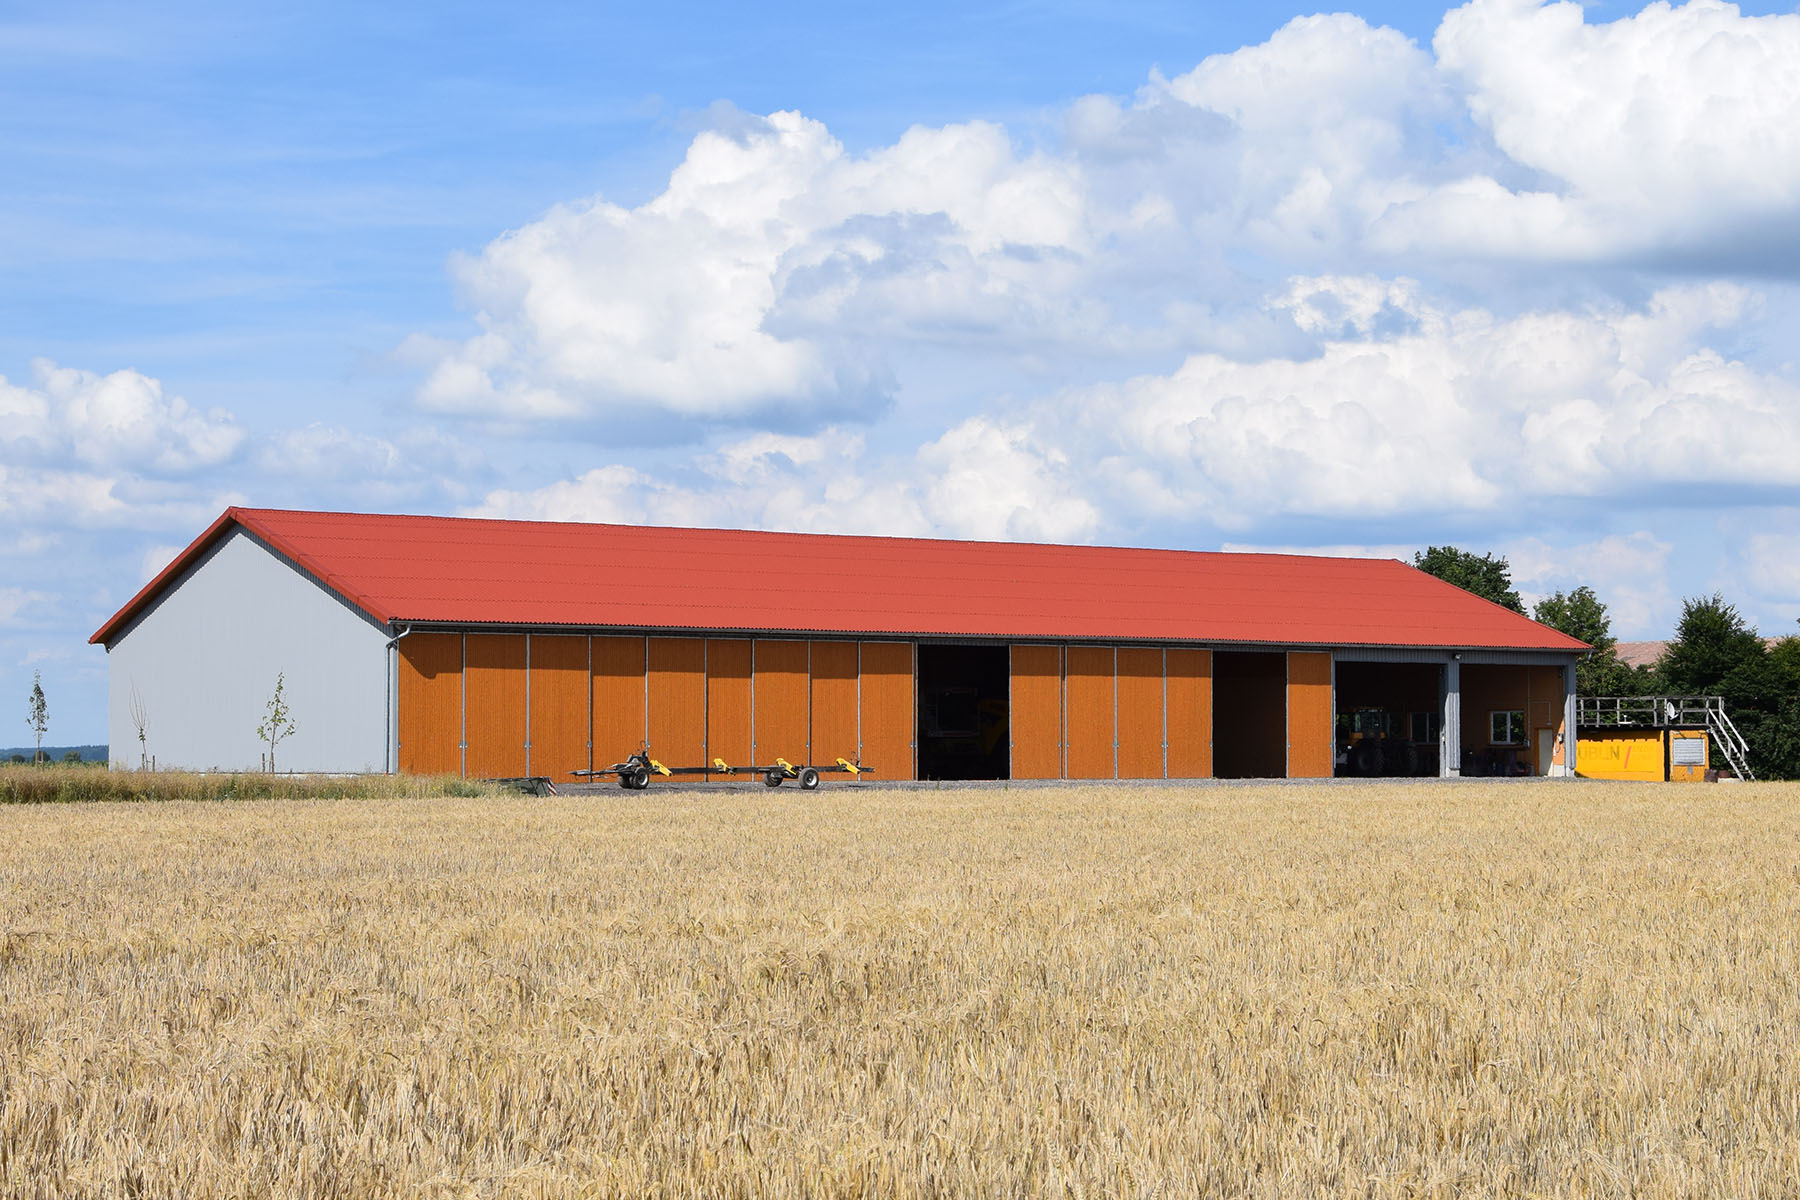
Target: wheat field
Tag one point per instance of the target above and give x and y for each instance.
(1504, 989)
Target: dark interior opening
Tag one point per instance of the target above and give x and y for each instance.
(963, 694)
(1388, 719)
(1249, 715)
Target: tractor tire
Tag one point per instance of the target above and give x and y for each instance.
(1408, 756)
(1368, 759)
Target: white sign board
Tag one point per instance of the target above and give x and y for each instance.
(1687, 752)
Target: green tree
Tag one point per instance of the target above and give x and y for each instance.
(1580, 614)
(73, 756)
(38, 714)
(1712, 640)
(1779, 741)
(1484, 574)
(1716, 652)
(275, 723)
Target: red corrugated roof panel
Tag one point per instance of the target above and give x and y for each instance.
(463, 571)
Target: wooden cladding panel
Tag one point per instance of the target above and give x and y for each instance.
(618, 698)
(1309, 715)
(1188, 675)
(560, 696)
(728, 703)
(494, 716)
(1035, 712)
(1140, 691)
(677, 705)
(431, 703)
(889, 712)
(1090, 718)
(834, 723)
(780, 705)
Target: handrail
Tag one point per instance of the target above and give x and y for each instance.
(1613, 712)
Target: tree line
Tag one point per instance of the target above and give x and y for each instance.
(1715, 652)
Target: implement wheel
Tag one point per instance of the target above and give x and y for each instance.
(809, 779)
(773, 778)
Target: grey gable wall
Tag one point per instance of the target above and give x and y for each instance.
(204, 659)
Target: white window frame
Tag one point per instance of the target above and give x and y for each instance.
(1515, 723)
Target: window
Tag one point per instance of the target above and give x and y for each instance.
(1507, 728)
(1423, 726)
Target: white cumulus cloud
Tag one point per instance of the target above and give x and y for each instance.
(1669, 127)
(779, 277)
(725, 295)
(1458, 410)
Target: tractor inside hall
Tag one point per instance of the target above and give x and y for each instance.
(1369, 745)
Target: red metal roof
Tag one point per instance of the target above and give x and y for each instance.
(461, 571)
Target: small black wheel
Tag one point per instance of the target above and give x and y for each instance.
(774, 778)
(640, 779)
(625, 780)
(809, 779)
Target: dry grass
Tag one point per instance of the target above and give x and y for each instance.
(1564, 989)
(68, 784)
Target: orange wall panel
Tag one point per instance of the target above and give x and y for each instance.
(431, 703)
(1310, 749)
(1089, 713)
(728, 703)
(560, 696)
(1536, 691)
(1140, 675)
(1189, 674)
(1036, 712)
(890, 713)
(494, 724)
(834, 723)
(782, 716)
(618, 698)
(677, 707)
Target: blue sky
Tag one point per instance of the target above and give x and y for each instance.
(1513, 275)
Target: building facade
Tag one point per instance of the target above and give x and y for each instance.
(495, 649)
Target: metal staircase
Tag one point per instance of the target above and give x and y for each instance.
(1729, 741)
(1686, 712)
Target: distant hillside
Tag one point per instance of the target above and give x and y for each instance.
(56, 753)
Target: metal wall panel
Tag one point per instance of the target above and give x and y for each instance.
(1036, 712)
(890, 714)
(431, 692)
(834, 717)
(561, 724)
(494, 712)
(1310, 727)
(618, 698)
(782, 716)
(1188, 675)
(1090, 713)
(728, 703)
(1140, 690)
(677, 707)
(203, 659)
